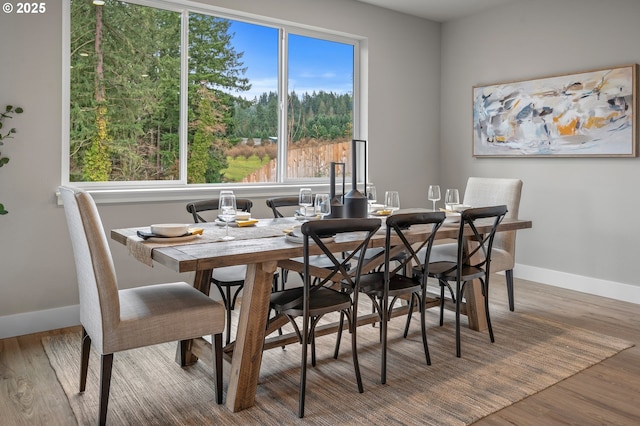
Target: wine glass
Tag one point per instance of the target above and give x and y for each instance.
(371, 195)
(323, 205)
(392, 200)
(434, 195)
(451, 198)
(227, 211)
(305, 199)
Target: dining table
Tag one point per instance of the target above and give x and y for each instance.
(264, 247)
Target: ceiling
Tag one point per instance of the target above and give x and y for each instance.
(438, 10)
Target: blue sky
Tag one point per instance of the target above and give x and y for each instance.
(313, 64)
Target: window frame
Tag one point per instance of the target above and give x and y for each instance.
(175, 190)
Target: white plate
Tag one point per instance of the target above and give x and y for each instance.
(181, 239)
(293, 238)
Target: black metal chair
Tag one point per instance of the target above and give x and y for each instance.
(392, 280)
(316, 297)
(276, 204)
(473, 262)
(229, 276)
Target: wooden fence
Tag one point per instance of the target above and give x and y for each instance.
(307, 162)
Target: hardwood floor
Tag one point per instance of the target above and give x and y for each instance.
(607, 393)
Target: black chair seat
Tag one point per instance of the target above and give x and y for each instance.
(373, 285)
(324, 300)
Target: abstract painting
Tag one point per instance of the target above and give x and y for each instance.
(588, 114)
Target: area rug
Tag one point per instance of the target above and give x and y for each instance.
(529, 355)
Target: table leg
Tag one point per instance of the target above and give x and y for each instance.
(476, 314)
(252, 324)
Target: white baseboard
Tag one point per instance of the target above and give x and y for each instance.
(34, 322)
(595, 286)
(51, 319)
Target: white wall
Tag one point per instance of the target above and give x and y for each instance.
(37, 280)
(583, 209)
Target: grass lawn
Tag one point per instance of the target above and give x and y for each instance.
(240, 167)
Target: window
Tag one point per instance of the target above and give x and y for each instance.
(163, 96)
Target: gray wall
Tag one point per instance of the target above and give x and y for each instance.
(37, 284)
(583, 209)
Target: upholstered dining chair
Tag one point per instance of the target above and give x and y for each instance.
(229, 276)
(473, 261)
(316, 297)
(116, 320)
(392, 282)
(483, 192)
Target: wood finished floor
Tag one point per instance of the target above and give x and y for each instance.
(605, 394)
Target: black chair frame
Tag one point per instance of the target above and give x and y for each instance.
(224, 286)
(473, 262)
(317, 297)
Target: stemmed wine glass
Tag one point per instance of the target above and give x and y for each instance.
(451, 199)
(227, 211)
(305, 199)
(323, 205)
(371, 195)
(434, 195)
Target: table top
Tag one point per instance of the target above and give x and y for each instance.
(204, 255)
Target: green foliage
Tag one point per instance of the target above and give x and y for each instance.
(140, 50)
(240, 167)
(7, 134)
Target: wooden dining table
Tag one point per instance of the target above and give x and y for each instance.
(263, 249)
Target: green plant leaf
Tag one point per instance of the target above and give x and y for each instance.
(19, 110)
(2, 210)
(3, 161)
(9, 108)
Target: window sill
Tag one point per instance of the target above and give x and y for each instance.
(184, 193)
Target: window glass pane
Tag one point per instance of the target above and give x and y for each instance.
(124, 92)
(233, 101)
(320, 106)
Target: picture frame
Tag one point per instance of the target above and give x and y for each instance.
(586, 114)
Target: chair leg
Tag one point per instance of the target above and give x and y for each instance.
(458, 301)
(105, 383)
(354, 349)
(509, 275)
(384, 321)
(485, 285)
(441, 304)
(229, 308)
(84, 359)
(409, 315)
(303, 368)
(217, 367)
(339, 335)
(423, 326)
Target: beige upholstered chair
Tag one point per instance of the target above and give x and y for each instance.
(116, 320)
(484, 192)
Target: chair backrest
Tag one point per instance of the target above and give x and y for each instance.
(479, 253)
(484, 192)
(276, 202)
(416, 253)
(314, 232)
(97, 281)
(196, 207)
